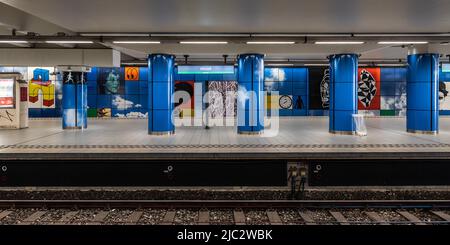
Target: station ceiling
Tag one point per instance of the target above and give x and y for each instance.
(76, 17)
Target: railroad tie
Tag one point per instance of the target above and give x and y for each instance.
(203, 217)
(33, 217)
(411, 218)
(442, 215)
(134, 217)
(307, 218)
(99, 218)
(239, 217)
(66, 218)
(4, 214)
(274, 218)
(377, 218)
(339, 217)
(168, 218)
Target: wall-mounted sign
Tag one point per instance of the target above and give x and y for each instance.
(446, 67)
(6, 93)
(205, 69)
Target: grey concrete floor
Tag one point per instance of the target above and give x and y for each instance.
(295, 134)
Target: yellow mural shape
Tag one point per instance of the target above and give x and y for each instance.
(48, 92)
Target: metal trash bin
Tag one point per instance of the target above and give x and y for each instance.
(360, 124)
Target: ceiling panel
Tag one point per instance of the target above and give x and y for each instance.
(329, 16)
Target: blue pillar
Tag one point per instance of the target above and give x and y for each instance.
(250, 115)
(74, 101)
(422, 114)
(160, 92)
(343, 92)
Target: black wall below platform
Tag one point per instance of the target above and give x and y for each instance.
(379, 173)
(17, 173)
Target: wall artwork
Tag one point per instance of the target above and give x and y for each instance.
(41, 87)
(222, 103)
(111, 81)
(184, 99)
(319, 93)
(444, 96)
(369, 88)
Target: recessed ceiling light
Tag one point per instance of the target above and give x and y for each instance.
(203, 42)
(270, 42)
(69, 42)
(402, 42)
(339, 42)
(137, 42)
(13, 41)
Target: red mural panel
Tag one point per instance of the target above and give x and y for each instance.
(369, 88)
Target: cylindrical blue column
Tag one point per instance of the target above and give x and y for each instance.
(422, 83)
(343, 92)
(160, 92)
(250, 115)
(74, 101)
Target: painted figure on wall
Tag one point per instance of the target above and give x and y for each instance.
(325, 89)
(444, 101)
(41, 84)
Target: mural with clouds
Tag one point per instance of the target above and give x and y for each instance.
(123, 92)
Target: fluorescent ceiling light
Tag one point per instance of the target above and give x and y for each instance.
(199, 35)
(316, 64)
(280, 64)
(13, 41)
(115, 34)
(137, 42)
(69, 42)
(339, 42)
(402, 42)
(270, 42)
(203, 42)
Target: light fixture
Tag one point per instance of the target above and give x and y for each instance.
(288, 64)
(316, 64)
(199, 35)
(136, 42)
(13, 41)
(115, 34)
(339, 42)
(69, 42)
(402, 42)
(270, 42)
(203, 42)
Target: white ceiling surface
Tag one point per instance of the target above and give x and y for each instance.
(249, 16)
(242, 15)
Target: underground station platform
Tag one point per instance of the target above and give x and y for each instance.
(119, 152)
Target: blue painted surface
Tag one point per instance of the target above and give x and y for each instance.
(250, 113)
(422, 89)
(74, 106)
(160, 93)
(343, 92)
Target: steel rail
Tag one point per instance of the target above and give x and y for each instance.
(389, 204)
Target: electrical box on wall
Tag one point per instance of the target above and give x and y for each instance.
(13, 101)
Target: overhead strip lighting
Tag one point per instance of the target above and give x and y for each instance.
(115, 34)
(69, 42)
(203, 42)
(136, 42)
(339, 42)
(13, 41)
(287, 64)
(402, 42)
(270, 42)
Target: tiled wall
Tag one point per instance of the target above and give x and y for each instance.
(123, 92)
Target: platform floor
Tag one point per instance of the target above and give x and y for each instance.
(298, 137)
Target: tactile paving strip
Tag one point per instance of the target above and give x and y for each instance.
(214, 146)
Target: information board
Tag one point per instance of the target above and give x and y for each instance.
(6, 93)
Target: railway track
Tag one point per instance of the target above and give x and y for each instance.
(225, 212)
